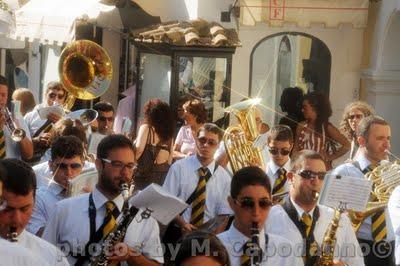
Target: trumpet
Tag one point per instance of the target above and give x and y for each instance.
(17, 134)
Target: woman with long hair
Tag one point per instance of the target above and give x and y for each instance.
(316, 132)
(154, 144)
(195, 115)
(352, 115)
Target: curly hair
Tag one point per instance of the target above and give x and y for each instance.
(196, 108)
(158, 114)
(322, 106)
(344, 126)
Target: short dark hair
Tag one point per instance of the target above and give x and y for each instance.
(66, 147)
(112, 142)
(213, 128)
(365, 124)
(280, 133)
(249, 176)
(103, 107)
(18, 177)
(214, 248)
(304, 155)
(3, 81)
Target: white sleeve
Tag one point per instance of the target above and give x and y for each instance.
(223, 205)
(50, 233)
(179, 137)
(172, 180)
(394, 210)
(38, 218)
(350, 239)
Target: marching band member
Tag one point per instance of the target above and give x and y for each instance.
(302, 220)
(105, 119)
(66, 163)
(376, 232)
(250, 199)
(279, 144)
(9, 148)
(19, 186)
(77, 222)
(198, 177)
(394, 212)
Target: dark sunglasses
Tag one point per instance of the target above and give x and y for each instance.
(308, 174)
(210, 142)
(54, 95)
(352, 117)
(73, 166)
(249, 203)
(104, 119)
(275, 151)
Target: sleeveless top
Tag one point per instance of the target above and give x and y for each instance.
(148, 171)
(311, 140)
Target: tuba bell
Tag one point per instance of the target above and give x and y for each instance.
(239, 140)
(85, 71)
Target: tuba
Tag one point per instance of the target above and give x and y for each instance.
(385, 178)
(85, 71)
(238, 140)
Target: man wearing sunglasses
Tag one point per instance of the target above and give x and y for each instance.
(280, 144)
(66, 163)
(300, 219)
(55, 94)
(105, 119)
(186, 176)
(250, 199)
(79, 223)
(376, 232)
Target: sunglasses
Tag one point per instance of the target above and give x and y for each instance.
(275, 151)
(308, 174)
(120, 165)
(53, 95)
(64, 166)
(249, 203)
(204, 140)
(352, 117)
(104, 119)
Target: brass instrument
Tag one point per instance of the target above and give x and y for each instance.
(17, 134)
(329, 240)
(385, 178)
(239, 140)
(86, 116)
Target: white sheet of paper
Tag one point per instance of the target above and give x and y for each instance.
(94, 140)
(83, 182)
(55, 109)
(260, 141)
(352, 192)
(163, 206)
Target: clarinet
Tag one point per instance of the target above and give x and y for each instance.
(12, 235)
(255, 249)
(117, 235)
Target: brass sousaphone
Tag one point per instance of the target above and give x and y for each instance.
(85, 71)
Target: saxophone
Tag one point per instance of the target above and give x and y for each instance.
(117, 235)
(329, 240)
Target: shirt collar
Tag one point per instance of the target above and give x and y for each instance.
(275, 168)
(237, 237)
(100, 200)
(300, 211)
(362, 160)
(210, 167)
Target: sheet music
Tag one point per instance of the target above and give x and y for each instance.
(83, 183)
(54, 109)
(94, 140)
(162, 206)
(352, 192)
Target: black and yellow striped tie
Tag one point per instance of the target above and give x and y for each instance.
(110, 220)
(244, 258)
(2, 145)
(279, 185)
(199, 202)
(307, 220)
(378, 221)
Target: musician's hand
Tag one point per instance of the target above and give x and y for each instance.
(338, 263)
(187, 228)
(42, 140)
(121, 252)
(53, 117)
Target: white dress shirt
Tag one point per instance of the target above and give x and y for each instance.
(69, 226)
(272, 172)
(33, 119)
(347, 248)
(349, 169)
(273, 253)
(182, 180)
(12, 147)
(45, 201)
(12, 254)
(186, 140)
(44, 175)
(51, 254)
(394, 212)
